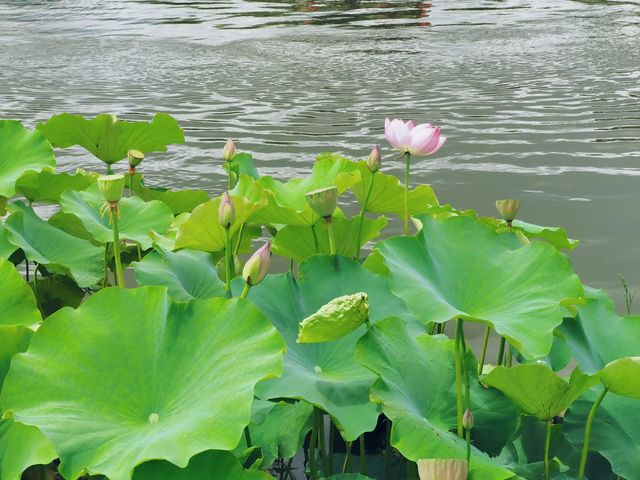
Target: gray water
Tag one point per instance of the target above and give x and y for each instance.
(540, 99)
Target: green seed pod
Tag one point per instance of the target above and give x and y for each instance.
(112, 187)
(323, 201)
(440, 469)
(508, 208)
(257, 266)
(135, 158)
(336, 319)
(226, 212)
(374, 160)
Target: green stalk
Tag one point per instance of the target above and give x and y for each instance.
(247, 436)
(485, 343)
(245, 290)
(458, 356)
(547, 443)
(321, 444)
(501, 352)
(509, 356)
(228, 259)
(362, 211)
(105, 282)
(467, 387)
(387, 450)
(26, 269)
(587, 434)
(406, 193)
(363, 457)
(332, 236)
(313, 466)
(346, 466)
(236, 249)
(116, 251)
(332, 434)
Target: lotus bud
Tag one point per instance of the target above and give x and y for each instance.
(229, 150)
(440, 469)
(257, 266)
(323, 201)
(467, 420)
(135, 158)
(374, 160)
(112, 187)
(508, 209)
(226, 212)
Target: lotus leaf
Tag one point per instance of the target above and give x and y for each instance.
(13, 339)
(21, 150)
(188, 274)
(459, 267)
(17, 302)
(299, 243)
(209, 465)
(416, 387)
(142, 377)
(555, 236)
(622, 377)
(47, 185)
(537, 390)
(22, 446)
(72, 225)
(56, 292)
(137, 217)
(179, 201)
(108, 138)
(54, 249)
(242, 164)
(324, 374)
(6, 248)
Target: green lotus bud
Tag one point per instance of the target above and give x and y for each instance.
(226, 212)
(508, 209)
(135, 158)
(257, 266)
(323, 201)
(440, 469)
(229, 150)
(112, 187)
(467, 419)
(336, 319)
(374, 160)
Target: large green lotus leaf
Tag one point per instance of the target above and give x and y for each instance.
(387, 194)
(108, 138)
(17, 302)
(615, 432)
(54, 249)
(622, 376)
(287, 204)
(299, 243)
(459, 267)
(209, 465)
(188, 274)
(555, 236)
(56, 292)
(72, 225)
(416, 387)
(324, 374)
(142, 377)
(22, 446)
(278, 428)
(21, 150)
(137, 217)
(242, 164)
(47, 185)
(6, 247)
(537, 390)
(202, 231)
(598, 335)
(179, 201)
(13, 339)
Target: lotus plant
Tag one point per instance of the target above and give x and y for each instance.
(112, 188)
(226, 218)
(256, 267)
(374, 160)
(508, 209)
(411, 139)
(324, 202)
(229, 153)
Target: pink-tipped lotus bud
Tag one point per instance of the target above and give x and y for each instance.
(226, 211)
(467, 420)
(508, 209)
(229, 150)
(257, 266)
(442, 469)
(374, 160)
(135, 158)
(323, 201)
(112, 187)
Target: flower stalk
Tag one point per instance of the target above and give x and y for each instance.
(406, 192)
(458, 366)
(587, 434)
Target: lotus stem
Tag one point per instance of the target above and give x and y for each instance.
(26, 269)
(332, 434)
(331, 234)
(387, 450)
(587, 434)
(247, 436)
(485, 343)
(321, 444)
(363, 456)
(346, 466)
(509, 356)
(547, 443)
(228, 259)
(501, 352)
(313, 466)
(362, 212)
(245, 290)
(236, 249)
(105, 281)
(458, 360)
(407, 157)
(116, 249)
(467, 387)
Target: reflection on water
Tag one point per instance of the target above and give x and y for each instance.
(540, 99)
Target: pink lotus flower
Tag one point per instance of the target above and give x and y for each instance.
(419, 140)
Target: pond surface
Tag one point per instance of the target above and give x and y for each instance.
(540, 99)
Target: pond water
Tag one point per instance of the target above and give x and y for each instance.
(540, 99)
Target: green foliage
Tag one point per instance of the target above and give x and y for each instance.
(17, 302)
(47, 185)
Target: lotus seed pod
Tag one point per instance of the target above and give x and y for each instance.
(135, 157)
(508, 209)
(375, 159)
(323, 201)
(467, 420)
(257, 266)
(440, 469)
(226, 212)
(112, 187)
(336, 319)
(229, 150)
